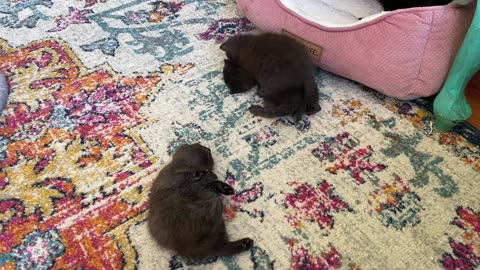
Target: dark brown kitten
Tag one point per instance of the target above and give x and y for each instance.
(185, 212)
(282, 69)
(236, 78)
(390, 5)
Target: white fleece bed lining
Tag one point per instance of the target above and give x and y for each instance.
(336, 13)
(341, 13)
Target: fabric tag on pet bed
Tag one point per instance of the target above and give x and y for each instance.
(315, 51)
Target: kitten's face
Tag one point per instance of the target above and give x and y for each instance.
(232, 46)
(236, 78)
(195, 156)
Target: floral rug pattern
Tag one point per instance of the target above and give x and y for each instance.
(102, 92)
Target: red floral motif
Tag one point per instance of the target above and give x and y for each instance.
(341, 151)
(465, 255)
(220, 30)
(302, 259)
(314, 205)
(237, 202)
(74, 16)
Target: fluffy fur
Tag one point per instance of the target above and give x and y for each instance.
(185, 212)
(282, 69)
(236, 78)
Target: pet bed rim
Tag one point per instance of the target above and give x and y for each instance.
(360, 25)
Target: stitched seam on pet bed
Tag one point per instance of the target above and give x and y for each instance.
(414, 88)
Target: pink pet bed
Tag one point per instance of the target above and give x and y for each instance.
(404, 53)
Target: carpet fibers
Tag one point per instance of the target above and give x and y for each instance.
(103, 91)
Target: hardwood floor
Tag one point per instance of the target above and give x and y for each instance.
(473, 96)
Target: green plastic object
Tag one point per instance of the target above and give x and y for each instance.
(451, 106)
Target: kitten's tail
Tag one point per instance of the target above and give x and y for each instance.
(309, 104)
(271, 112)
(301, 109)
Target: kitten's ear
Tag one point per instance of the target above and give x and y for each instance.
(231, 47)
(223, 47)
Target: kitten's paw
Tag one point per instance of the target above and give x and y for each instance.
(245, 244)
(313, 109)
(235, 91)
(220, 187)
(227, 189)
(256, 110)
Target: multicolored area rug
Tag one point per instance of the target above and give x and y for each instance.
(103, 91)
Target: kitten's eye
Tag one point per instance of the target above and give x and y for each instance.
(198, 174)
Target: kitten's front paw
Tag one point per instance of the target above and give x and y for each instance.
(234, 91)
(226, 189)
(245, 244)
(313, 109)
(220, 187)
(256, 109)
